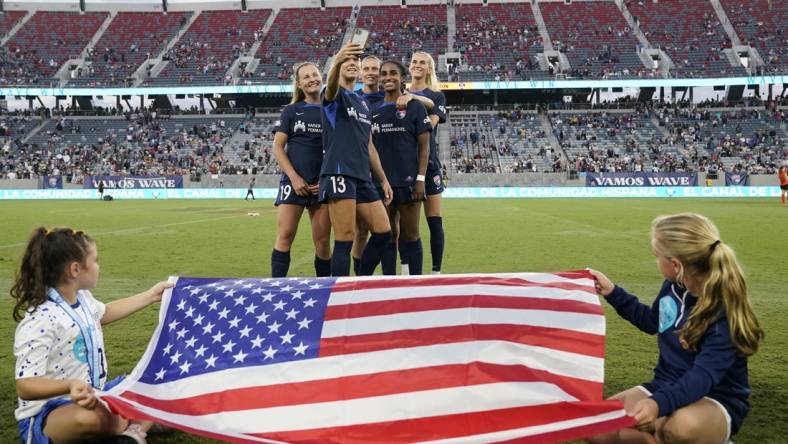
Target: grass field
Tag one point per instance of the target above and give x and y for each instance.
(141, 242)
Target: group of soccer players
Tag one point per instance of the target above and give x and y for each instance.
(361, 162)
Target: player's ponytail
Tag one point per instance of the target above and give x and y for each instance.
(695, 242)
(46, 256)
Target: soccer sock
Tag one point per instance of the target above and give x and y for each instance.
(280, 263)
(403, 259)
(415, 253)
(340, 259)
(389, 260)
(373, 252)
(357, 266)
(322, 267)
(436, 241)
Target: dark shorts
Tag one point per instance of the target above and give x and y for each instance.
(287, 195)
(434, 183)
(31, 430)
(784, 187)
(401, 195)
(345, 187)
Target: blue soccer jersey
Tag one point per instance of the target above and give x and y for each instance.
(302, 122)
(395, 134)
(346, 130)
(373, 99)
(438, 109)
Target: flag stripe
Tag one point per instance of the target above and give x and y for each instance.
(563, 364)
(362, 293)
(527, 420)
(130, 409)
(578, 322)
(361, 386)
(547, 280)
(378, 308)
(444, 401)
(554, 338)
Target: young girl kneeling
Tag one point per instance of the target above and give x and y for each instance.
(706, 331)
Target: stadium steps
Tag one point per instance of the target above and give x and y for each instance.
(444, 146)
(451, 26)
(251, 61)
(547, 127)
(726, 24)
(97, 36)
(662, 130)
(16, 27)
(633, 24)
(35, 130)
(546, 42)
(159, 61)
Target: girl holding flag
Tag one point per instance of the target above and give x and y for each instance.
(706, 330)
(59, 345)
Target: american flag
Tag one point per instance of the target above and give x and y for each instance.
(452, 358)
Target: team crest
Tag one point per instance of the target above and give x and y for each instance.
(299, 126)
(437, 180)
(401, 113)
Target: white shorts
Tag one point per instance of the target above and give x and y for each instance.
(722, 407)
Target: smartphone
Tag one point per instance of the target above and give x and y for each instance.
(360, 36)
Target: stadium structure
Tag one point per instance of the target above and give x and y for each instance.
(540, 92)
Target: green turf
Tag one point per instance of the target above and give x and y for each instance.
(141, 242)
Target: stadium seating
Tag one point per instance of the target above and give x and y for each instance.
(204, 54)
(499, 40)
(762, 24)
(45, 42)
(397, 32)
(131, 38)
(690, 33)
(297, 35)
(595, 38)
(8, 19)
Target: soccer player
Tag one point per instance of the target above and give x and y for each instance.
(300, 128)
(783, 176)
(422, 71)
(345, 184)
(402, 137)
(370, 75)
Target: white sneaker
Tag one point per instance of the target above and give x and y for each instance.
(405, 270)
(436, 272)
(135, 432)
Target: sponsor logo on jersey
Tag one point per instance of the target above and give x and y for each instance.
(299, 126)
(351, 112)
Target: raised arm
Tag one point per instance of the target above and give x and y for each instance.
(332, 83)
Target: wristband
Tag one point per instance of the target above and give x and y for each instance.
(420, 178)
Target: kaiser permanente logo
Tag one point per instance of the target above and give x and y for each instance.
(375, 128)
(299, 126)
(351, 112)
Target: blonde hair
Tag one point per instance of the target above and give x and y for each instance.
(431, 79)
(298, 93)
(694, 241)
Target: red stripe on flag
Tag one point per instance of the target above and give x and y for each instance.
(456, 280)
(379, 308)
(119, 406)
(364, 386)
(555, 338)
(446, 426)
